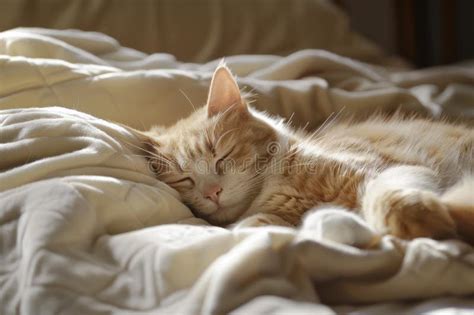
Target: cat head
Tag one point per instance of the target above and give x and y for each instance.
(218, 157)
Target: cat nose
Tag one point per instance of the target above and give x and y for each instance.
(212, 193)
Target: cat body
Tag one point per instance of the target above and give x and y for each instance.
(231, 163)
(336, 166)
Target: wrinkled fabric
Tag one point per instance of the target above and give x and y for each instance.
(199, 31)
(66, 68)
(85, 228)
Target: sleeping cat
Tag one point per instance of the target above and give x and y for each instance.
(231, 163)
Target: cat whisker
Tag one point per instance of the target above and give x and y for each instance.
(151, 154)
(188, 99)
(320, 128)
(305, 126)
(221, 115)
(223, 135)
(244, 187)
(248, 188)
(132, 145)
(331, 120)
(138, 147)
(289, 121)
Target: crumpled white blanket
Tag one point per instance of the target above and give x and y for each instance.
(92, 73)
(86, 229)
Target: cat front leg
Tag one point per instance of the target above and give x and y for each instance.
(261, 219)
(403, 201)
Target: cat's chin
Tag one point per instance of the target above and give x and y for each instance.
(224, 215)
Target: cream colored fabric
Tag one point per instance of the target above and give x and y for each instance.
(86, 229)
(112, 82)
(199, 31)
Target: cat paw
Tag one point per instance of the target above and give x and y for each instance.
(412, 213)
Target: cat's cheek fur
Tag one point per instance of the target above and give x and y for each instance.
(200, 207)
(225, 216)
(234, 199)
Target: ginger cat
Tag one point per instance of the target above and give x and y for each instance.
(231, 163)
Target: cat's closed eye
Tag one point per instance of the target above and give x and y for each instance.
(220, 161)
(187, 182)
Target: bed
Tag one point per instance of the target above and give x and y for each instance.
(85, 228)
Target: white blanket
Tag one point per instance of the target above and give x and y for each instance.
(86, 229)
(92, 73)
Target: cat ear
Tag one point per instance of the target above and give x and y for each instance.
(224, 93)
